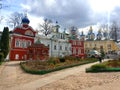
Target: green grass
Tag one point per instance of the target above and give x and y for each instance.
(32, 71)
(103, 70)
(108, 66)
(0, 63)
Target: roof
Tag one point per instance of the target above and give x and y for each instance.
(25, 20)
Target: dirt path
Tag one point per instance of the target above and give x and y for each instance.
(13, 78)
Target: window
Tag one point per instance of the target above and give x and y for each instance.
(74, 42)
(28, 32)
(101, 47)
(65, 48)
(48, 45)
(55, 47)
(79, 42)
(60, 47)
(79, 51)
(82, 50)
(109, 46)
(74, 50)
(17, 43)
(28, 43)
(23, 45)
(17, 56)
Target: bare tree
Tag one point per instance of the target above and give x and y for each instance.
(1, 7)
(104, 27)
(114, 31)
(104, 30)
(1, 18)
(46, 27)
(15, 19)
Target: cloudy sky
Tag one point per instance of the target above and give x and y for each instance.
(79, 13)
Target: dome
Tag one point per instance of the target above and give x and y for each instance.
(25, 20)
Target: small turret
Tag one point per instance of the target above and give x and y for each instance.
(91, 35)
(99, 35)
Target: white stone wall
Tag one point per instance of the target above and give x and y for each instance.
(63, 47)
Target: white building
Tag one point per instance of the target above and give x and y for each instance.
(58, 43)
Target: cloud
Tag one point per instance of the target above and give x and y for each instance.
(114, 15)
(66, 12)
(35, 21)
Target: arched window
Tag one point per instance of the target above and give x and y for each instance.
(23, 45)
(74, 50)
(28, 43)
(17, 43)
(29, 33)
(79, 51)
(55, 47)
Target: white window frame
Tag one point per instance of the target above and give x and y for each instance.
(17, 43)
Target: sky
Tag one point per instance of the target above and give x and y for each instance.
(79, 13)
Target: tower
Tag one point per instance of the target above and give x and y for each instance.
(99, 35)
(82, 36)
(91, 35)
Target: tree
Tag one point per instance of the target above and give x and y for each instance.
(4, 43)
(46, 27)
(114, 31)
(15, 19)
(1, 7)
(102, 53)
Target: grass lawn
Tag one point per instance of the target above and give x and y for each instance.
(108, 66)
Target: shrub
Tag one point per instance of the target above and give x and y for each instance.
(1, 57)
(62, 59)
(98, 67)
(53, 60)
(114, 63)
(51, 67)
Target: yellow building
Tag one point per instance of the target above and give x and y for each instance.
(106, 45)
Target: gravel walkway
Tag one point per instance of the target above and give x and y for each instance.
(13, 78)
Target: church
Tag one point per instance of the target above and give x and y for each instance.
(21, 38)
(26, 44)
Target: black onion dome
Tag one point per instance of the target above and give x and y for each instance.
(25, 20)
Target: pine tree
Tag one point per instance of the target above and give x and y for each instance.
(102, 53)
(4, 43)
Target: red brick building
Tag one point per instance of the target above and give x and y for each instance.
(38, 51)
(21, 37)
(77, 48)
(76, 43)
